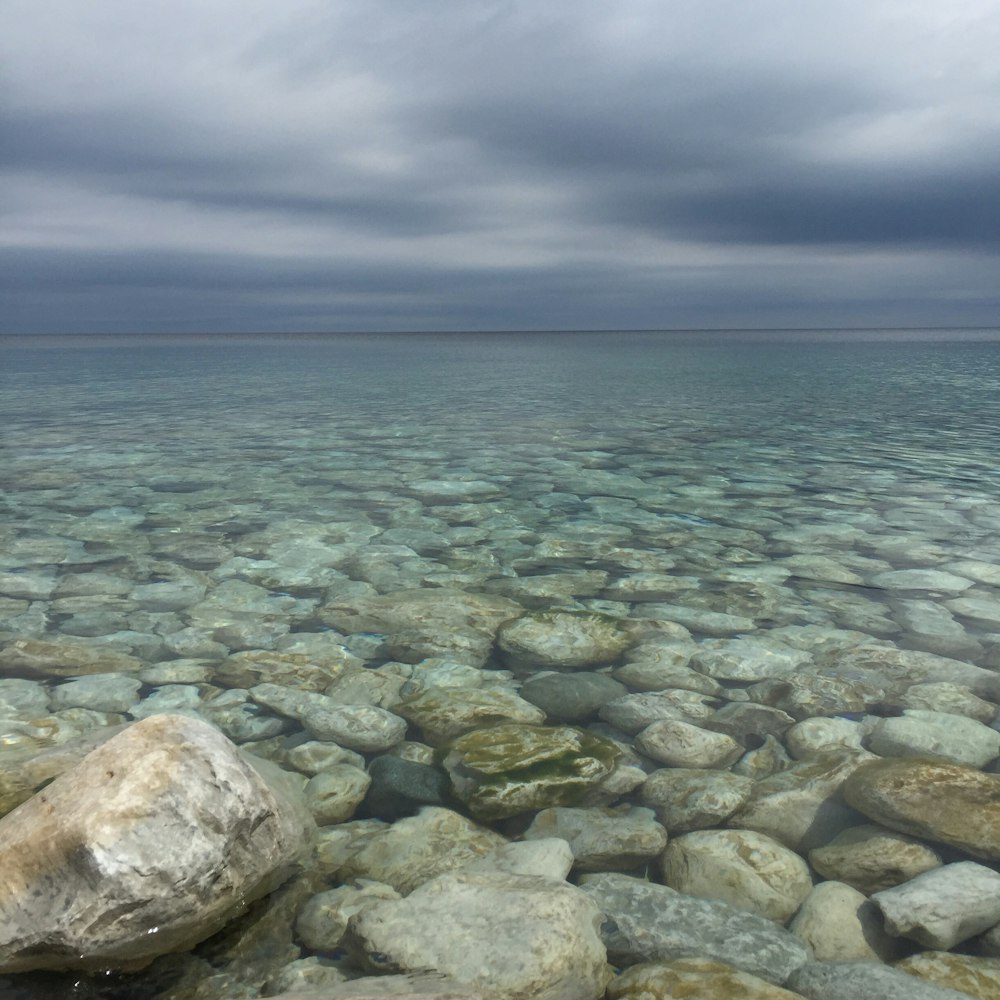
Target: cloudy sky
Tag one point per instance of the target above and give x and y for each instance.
(281, 165)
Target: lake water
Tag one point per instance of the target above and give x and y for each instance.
(841, 479)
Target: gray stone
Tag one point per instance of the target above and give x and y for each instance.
(956, 699)
(747, 721)
(748, 870)
(634, 712)
(164, 826)
(603, 839)
(921, 579)
(823, 735)
(24, 698)
(571, 697)
(400, 787)
(935, 735)
(691, 799)
(444, 713)
(649, 922)
(334, 795)
(943, 907)
(864, 981)
(747, 659)
(322, 922)
(98, 692)
(548, 856)
(314, 756)
(467, 925)
(564, 640)
(679, 744)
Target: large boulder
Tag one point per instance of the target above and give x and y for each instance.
(150, 844)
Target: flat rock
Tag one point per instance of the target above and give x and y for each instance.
(747, 659)
(864, 981)
(935, 800)
(444, 713)
(693, 979)
(937, 581)
(467, 925)
(687, 799)
(937, 735)
(943, 907)
(98, 692)
(63, 658)
(871, 858)
(608, 839)
(152, 843)
(748, 870)
(505, 770)
(680, 744)
(650, 922)
(571, 697)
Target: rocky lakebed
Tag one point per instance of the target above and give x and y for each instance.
(425, 715)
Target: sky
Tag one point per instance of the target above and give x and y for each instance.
(314, 165)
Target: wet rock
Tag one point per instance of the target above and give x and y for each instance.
(763, 761)
(305, 672)
(863, 981)
(746, 721)
(564, 640)
(648, 922)
(468, 924)
(685, 799)
(979, 977)
(680, 744)
(314, 756)
(548, 856)
(710, 623)
(182, 699)
(98, 692)
(322, 922)
(603, 839)
(943, 907)
(982, 611)
(303, 975)
(933, 580)
(810, 695)
(447, 491)
(510, 769)
(694, 979)
(935, 735)
(815, 736)
(21, 697)
(871, 858)
(634, 712)
(164, 826)
(840, 924)
(801, 807)
(358, 727)
(444, 713)
(416, 849)
(571, 697)
(956, 699)
(29, 586)
(400, 787)
(748, 870)
(747, 659)
(334, 795)
(63, 658)
(947, 803)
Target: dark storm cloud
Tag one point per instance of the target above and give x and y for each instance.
(492, 164)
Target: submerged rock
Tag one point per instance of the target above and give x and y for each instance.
(693, 979)
(150, 844)
(563, 640)
(514, 935)
(510, 769)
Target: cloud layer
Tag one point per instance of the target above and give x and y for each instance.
(480, 164)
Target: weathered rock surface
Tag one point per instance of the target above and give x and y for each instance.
(938, 735)
(693, 979)
(650, 922)
(691, 799)
(948, 803)
(748, 870)
(63, 658)
(943, 907)
(150, 844)
(571, 697)
(510, 769)
(979, 977)
(444, 713)
(563, 640)
(680, 744)
(864, 981)
(469, 925)
(871, 858)
(603, 839)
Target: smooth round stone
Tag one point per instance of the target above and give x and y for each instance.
(840, 924)
(863, 981)
(634, 712)
(748, 870)
(245, 723)
(821, 735)
(302, 976)
(571, 697)
(314, 756)
(948, 803)
(645, 676)
(747, 659)
(808, 695)
(694, 979)
(921, 579)
(334, 795)
(444, 713)
(938, 735)
(767, 759)
(979, 977)
(980, 610)
(690, 799)
(195, 643)
(679, 744)
(603, 839)
(748, 721)
(298, 670)
(870, 858)
(400, 787)
(564, 640)
(98, 692)
(322, 922)
(548, 856)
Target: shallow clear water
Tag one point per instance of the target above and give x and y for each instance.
(777, 477)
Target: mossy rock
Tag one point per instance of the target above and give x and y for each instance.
(505, 770)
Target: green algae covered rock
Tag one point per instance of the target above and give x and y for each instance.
(504, 770)
(563, 640)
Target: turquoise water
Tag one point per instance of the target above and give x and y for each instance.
(773, 476)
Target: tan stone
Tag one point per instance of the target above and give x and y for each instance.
(693, 979)
(62, 658)
(979, 977)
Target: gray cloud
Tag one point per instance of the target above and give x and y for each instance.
(484, 165)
